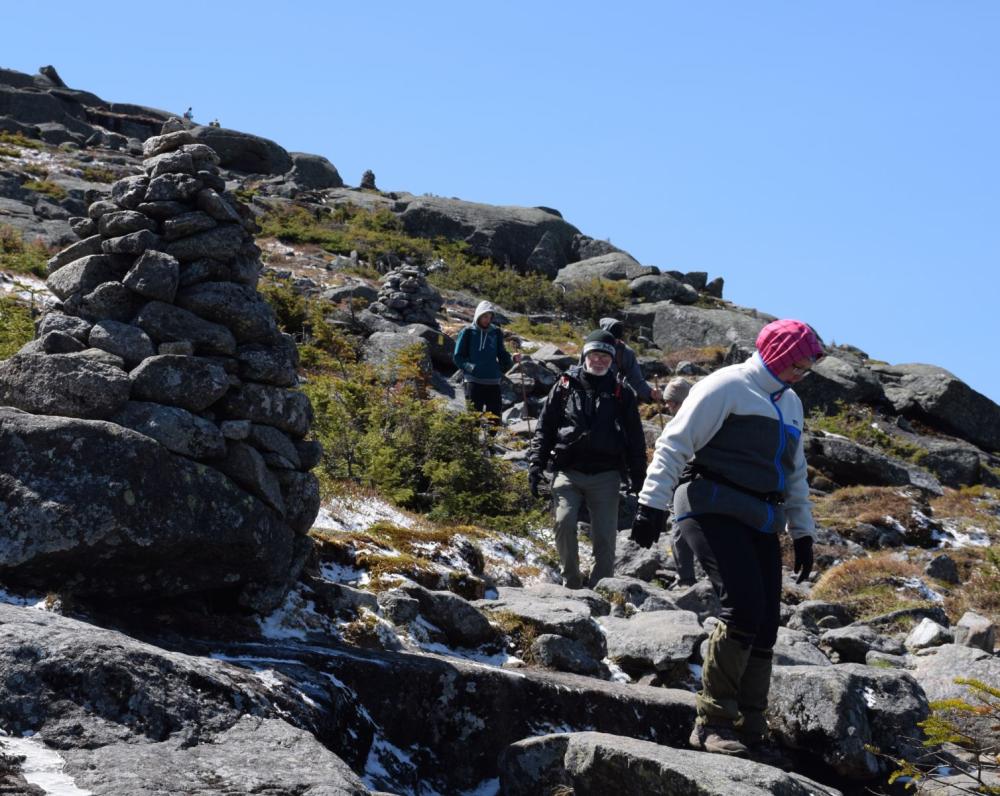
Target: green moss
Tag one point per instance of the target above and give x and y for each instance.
(858, 423)
(16, 139)
(98, 174)
(21, 257)
(47, 188)
(16, 326)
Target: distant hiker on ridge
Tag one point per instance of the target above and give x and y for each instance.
(482, 358)
(741, 431)
(188, 114)
(591, 432)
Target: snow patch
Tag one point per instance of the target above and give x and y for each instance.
(359, 514)
(925, 591)
(43, 767)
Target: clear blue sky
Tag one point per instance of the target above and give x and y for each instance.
(835, 162)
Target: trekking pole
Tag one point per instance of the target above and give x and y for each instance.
(659, 407)
(524, 391)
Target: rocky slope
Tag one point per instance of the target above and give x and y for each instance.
(155, 482)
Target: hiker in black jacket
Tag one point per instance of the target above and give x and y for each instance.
(591, 433)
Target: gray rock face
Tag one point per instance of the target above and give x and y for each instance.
(285, 760)
(617, 266)
(313, 172)
(849, 463)
(83, 275)
(98, 695)
(839, 377)
(662, 287)
(676, 328)
(59, 322)
(834, 711)
(238, 307)
(126, 279)
(928, 634)
(101, 481)
(267, 364)
(121, 339)
(518, 703)
(176, 429)
(634, 592)
(154, 276)
(505, 234)
(191, 383)
(218, 244)
(461, 622)
(662, 641)
(564, 655)
(550, 614)
(937, 397)
(795, 648)
(975, 630)
(62, 384)
(243, 151)
(936, 669)
(167, 323)
(382, 349)
(852, 644)
(597, 764)
(290, 411)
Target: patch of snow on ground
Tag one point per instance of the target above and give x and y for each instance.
(870, 699)
(293, 619)
(376, 773)
(617, 673)
(488, 787)
(923, 590)
(359, 514)
(27, 288)
(22, 601)
(341, 573)
(43, 767)
(958, 537)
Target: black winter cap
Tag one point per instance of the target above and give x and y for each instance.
(599, 340)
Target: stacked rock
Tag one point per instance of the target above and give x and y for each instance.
(160, 329)
(406, 297)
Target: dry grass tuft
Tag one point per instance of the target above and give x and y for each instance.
(846, 508)
(870, 586)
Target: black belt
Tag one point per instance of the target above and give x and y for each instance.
(771, 498)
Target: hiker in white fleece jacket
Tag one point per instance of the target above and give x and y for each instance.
(740, 431)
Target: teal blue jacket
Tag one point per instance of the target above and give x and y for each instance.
(481, 355)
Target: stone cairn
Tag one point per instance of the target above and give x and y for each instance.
(160, 329)
(406, 297)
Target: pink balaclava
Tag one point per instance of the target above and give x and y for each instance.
(783, 343)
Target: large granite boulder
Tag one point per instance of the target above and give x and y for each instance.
(598, 764)
(941, 399)
(70, 385)
(617, 266)
(127, 717)
(243, 151)
(675, 328)
(850, 463)
(834, 712)
(839, 377)
(313, 172)
(505, 234)
(122, 516)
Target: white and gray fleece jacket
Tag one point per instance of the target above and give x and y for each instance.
(744, 425)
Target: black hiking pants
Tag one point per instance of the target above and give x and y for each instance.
(744, 565)
(484, 398)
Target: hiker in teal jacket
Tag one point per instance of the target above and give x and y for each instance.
(481, 356)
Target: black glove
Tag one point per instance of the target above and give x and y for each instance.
(636, 481)
(648, 525)
(534, 480)
(803, 557)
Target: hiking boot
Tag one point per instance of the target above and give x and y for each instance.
(717, 739)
